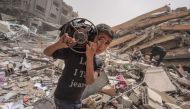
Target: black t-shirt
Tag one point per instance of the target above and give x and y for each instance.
(71, 84)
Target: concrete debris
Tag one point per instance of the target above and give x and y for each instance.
(164, 27)
(156, 78)
(93, 101)
(151, 99)
(44, 103)
(26, 75)
(128, 80)
(11, 31)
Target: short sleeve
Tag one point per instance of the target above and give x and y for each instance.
(98, 63)
(61, 53)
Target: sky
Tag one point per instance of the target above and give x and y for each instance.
(115, 12)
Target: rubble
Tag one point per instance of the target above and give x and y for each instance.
(148, 86)
(28, 78)
(163, 26)
(26, 75)
(151, 99)
(156, 78)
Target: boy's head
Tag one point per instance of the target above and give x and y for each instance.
(104, 28)
(104, 37)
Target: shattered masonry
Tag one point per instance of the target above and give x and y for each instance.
(28, 77)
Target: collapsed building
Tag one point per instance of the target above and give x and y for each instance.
(163, 26)
(45, 15)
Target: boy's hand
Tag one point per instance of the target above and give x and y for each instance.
(91, 49)
(65, 41)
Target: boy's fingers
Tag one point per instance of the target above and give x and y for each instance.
(67, 39)
(89, 43)
(87, 46)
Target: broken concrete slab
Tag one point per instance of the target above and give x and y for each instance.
(175, 27)
(156, 78)
(184, 81)
(172, 106)
(150, 99)
(132, 22)
(185, 105)
(9, 95)
(133, 42)
(122, 40)
(166, 98)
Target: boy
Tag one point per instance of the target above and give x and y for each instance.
(79, 68)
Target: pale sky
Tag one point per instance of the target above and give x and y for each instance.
(114, 12)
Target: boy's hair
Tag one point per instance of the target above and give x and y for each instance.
(103, 28)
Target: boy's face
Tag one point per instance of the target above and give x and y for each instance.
(102, 40)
